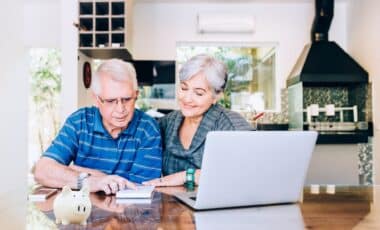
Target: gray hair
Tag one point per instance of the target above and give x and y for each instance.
(214, 70)
(118, 70)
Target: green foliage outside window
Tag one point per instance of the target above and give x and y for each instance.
(45, 88)
(251, 73)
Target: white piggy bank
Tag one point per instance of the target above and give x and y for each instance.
(72, 206)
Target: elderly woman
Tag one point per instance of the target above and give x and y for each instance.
(202, 80)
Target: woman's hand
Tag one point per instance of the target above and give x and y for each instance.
(196, 176)
(175, 179)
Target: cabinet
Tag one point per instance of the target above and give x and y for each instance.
(102, 29)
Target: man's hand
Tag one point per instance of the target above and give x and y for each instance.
(109, 184)
(107, 203)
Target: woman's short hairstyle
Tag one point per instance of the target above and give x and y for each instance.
(118, 70)
(214, 70)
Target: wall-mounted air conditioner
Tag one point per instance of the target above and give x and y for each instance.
(225, 23)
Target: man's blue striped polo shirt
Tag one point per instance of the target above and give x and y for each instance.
(135, 155)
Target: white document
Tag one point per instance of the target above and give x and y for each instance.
(42, 193)
(142, 192)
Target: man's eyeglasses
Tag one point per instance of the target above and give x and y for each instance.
(112, 102)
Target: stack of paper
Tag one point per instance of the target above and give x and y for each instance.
(42, 193)
(142, 192)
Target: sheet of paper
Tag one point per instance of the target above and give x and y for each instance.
(140, 192)
(41, 194)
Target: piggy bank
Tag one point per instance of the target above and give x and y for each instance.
(72, 206)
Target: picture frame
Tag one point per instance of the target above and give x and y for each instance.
(87, 75)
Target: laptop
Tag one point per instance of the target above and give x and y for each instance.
(248, 168)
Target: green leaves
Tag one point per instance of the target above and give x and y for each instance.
(45, 88)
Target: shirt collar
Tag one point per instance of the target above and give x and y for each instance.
(98, 122)
(207, 124)
(132, 125)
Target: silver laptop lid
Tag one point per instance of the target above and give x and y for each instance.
(242, 168)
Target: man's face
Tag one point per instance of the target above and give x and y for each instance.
(116, 102)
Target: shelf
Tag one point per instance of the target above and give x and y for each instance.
(101, 8)
(85, 40)
(101, 24)
(86, 32)
(117, 8)
(102, 29)
(86, 16)
(106, 53)
(85, 8)
(343, 137)
(117, 23)
(101, 39)
(117, 38)
(85, 24)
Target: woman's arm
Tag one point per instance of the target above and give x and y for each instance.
(174, 179)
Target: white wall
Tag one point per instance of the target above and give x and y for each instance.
(364, 37)
(324, 161)
(158, 26)
(41, 24)
(69, 47)
(13, 117)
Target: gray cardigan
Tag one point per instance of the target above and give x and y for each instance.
(175, 157)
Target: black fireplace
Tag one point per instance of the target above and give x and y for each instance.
(327, 88)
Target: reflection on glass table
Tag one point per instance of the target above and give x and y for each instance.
(268, 217)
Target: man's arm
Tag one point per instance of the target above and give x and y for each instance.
(93, 172)
(50, 173)
(53, 170)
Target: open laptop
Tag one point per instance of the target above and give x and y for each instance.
(245, 168)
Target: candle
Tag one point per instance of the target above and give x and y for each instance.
(330, 110)
(314, 189)
(314, 110)
(330, 189)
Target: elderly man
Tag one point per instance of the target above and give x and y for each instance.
(111, 145)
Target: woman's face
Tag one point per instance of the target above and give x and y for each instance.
(195, 96)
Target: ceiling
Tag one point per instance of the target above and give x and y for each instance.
(236, 1)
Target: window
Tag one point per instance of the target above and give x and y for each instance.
(45, 88)
(251, 73)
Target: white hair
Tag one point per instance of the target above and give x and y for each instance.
(214, 70)
(118, 70)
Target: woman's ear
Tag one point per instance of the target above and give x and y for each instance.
(217, 97)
